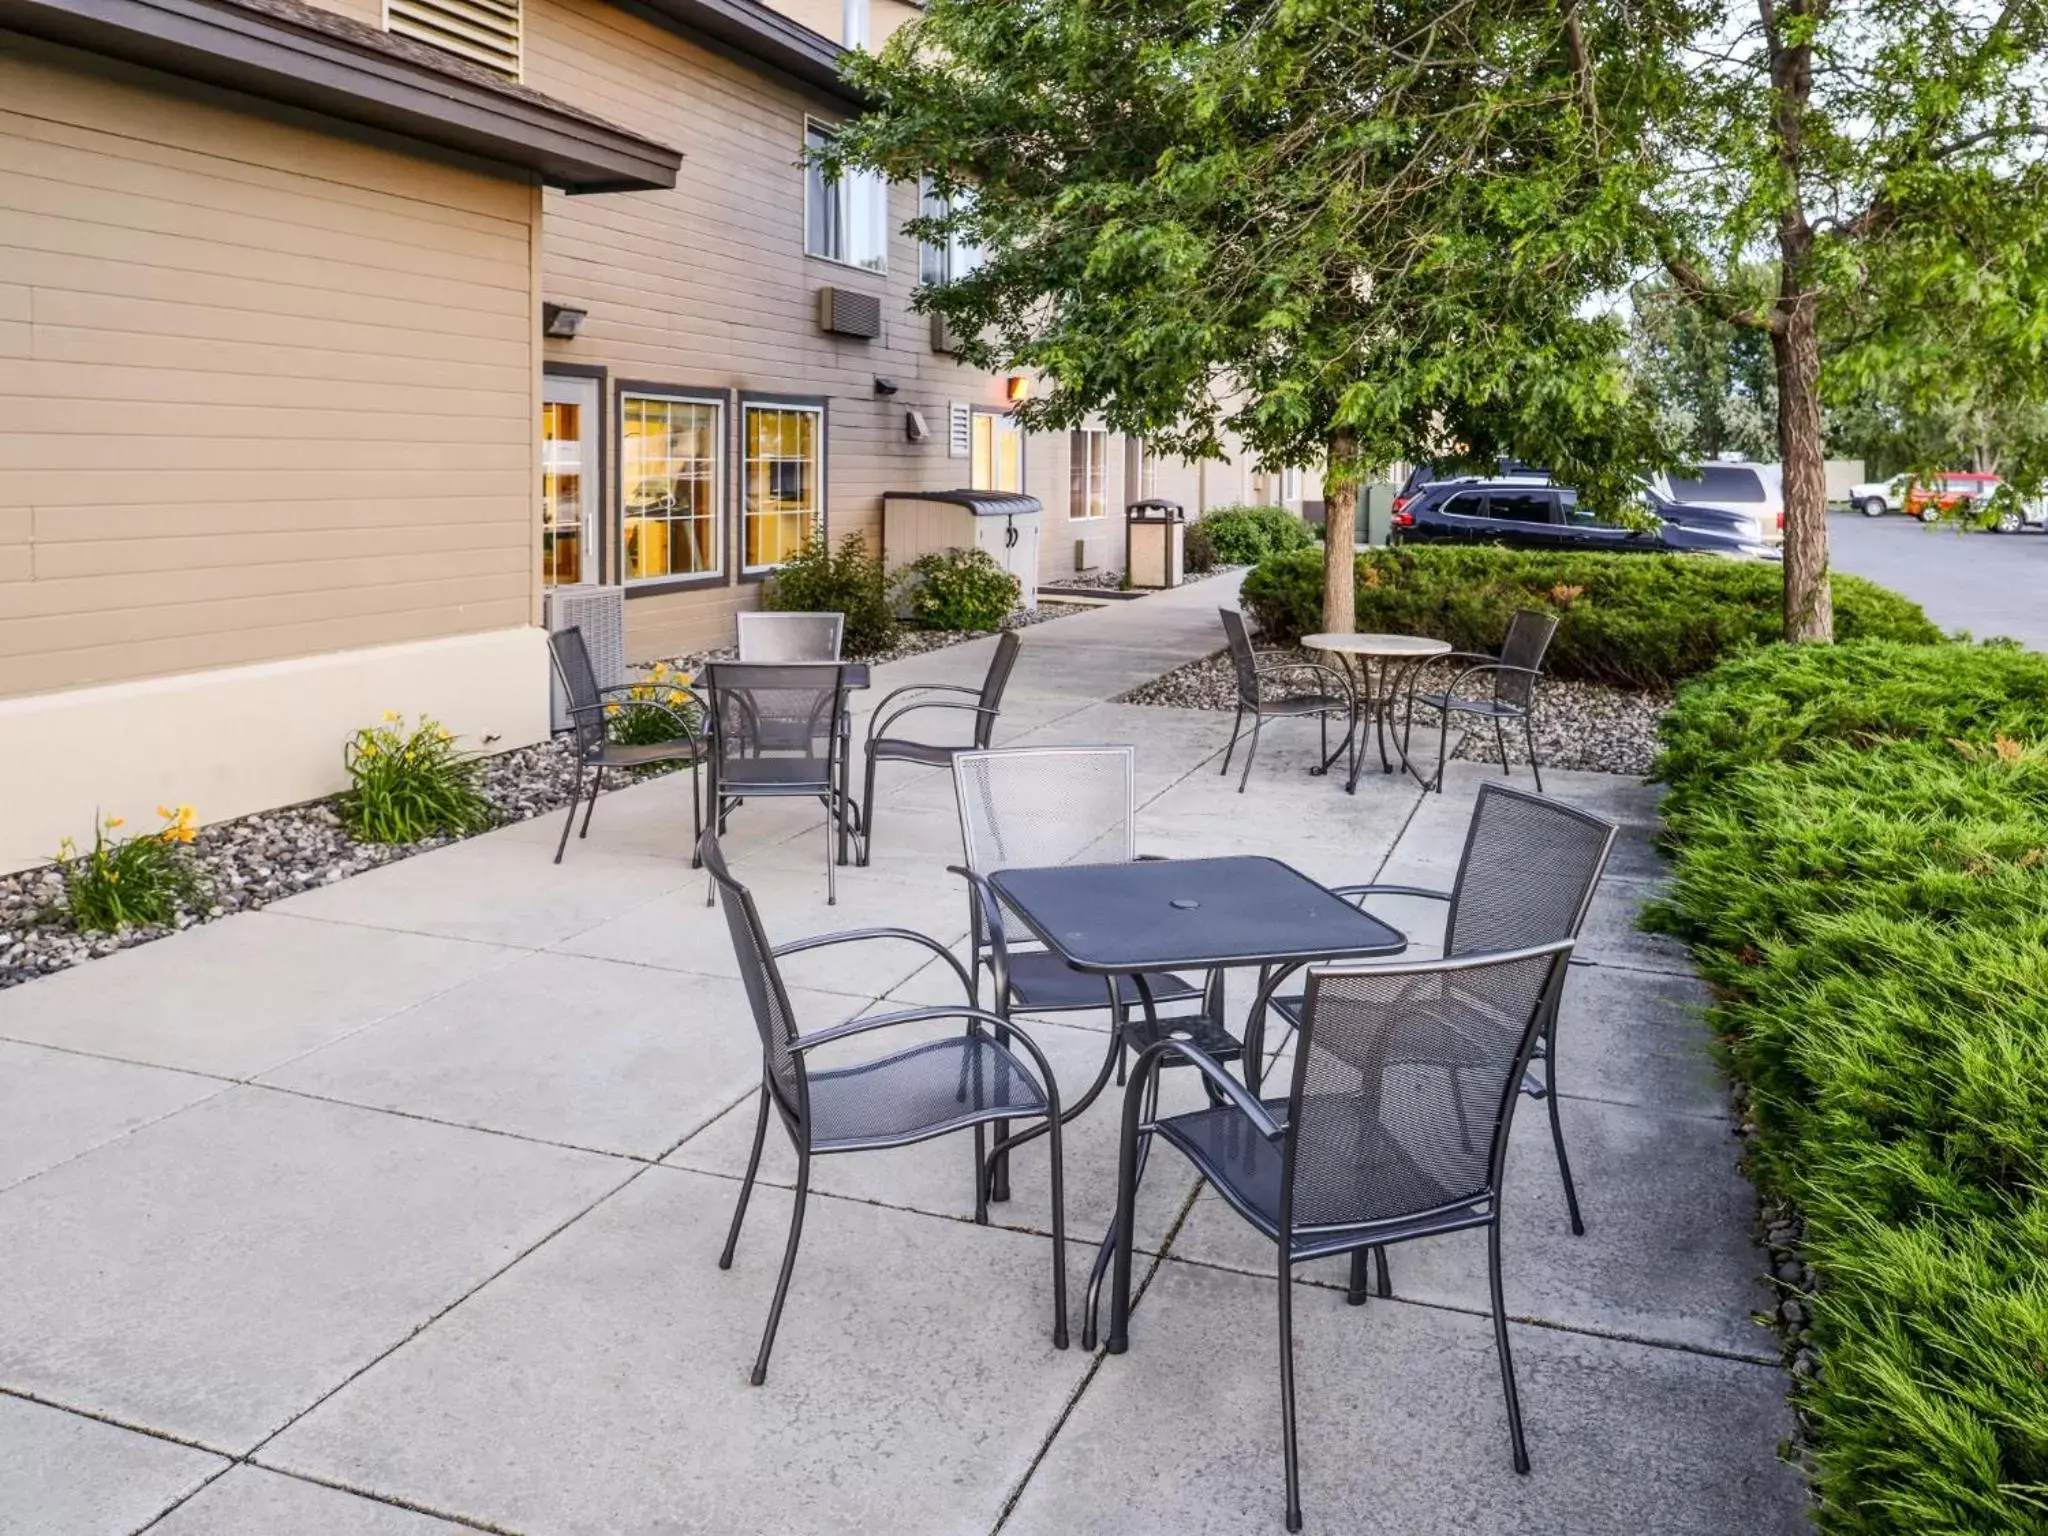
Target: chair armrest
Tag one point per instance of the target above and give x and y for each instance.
(1483, 665)
(878, 722)
(1343, 682)
(902, 1016)
(1390, 890)
(605, 705)
(1230, 1088)
(867, 935)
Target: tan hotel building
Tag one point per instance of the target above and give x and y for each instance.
(293, 430)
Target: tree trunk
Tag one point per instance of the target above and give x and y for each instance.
(1809, 605)
(1340, 522)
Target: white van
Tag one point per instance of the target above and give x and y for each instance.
(1753, 491)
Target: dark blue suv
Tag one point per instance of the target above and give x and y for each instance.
(1528, 512)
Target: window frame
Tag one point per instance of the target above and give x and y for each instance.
(684, 394)
(825, 128)
(1098, 436)
(821, 406)
(598, 533)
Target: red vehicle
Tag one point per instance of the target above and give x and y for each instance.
(1928, 500)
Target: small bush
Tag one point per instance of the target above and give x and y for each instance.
(1247, 535)
(1861, 841)
(1198, 549)
(849, 580)
(410, 785)
(658, 708)
(1633, 621)
(143, 879)
(960, 589)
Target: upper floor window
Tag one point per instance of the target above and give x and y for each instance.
(846, 218)
(954, 258)
(1089, 476)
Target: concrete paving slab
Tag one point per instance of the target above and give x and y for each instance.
(1403, 1428)
(249, 1501)
(62, 1474)
(602, 1385)
(1611, 935)
(1638, 1037)
(216, 1272)
(588, 1053)
(650, 818)
(936, 1176)
(242, 995)
(1666, 1257)
(499, 891)
(55, 1104)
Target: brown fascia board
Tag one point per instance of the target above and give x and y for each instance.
(758, 35)
(300, 56)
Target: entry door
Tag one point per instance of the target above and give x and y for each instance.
(571, 450)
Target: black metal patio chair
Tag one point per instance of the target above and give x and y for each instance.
(882, 747)
(1253, 669)
(1514, 674)
(1527, 876)
(1024, 807)
(592, 707)
(772, 637)
(924, 1090)
(1395, 1126)
(776, 733)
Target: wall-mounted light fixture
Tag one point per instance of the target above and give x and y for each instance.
(561, 321)
(1017, 387)
(884, 388)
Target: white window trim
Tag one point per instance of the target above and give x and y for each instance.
(810, 408)
(881, 268)
(720, 481)
(1103, 515)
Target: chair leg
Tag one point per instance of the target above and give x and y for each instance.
(1500, 1344)
(575, 794)
(1385, 1286)
(1288, 1448)
(867, 812)
(1059, 1232)
(1251, 751)
(739, 1210)
(696, 817)
(1564, 1164)
(1359, 1288)
(831, 863)
(1235, 726)
(1529, 734)
(796, 1232)
(596, 784)
(1500, 739)
(1443, 747)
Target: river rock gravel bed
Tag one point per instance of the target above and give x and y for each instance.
(1578, 725)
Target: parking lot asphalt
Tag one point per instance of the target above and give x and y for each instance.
(1987, 583)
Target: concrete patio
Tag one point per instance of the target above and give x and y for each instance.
(393, 1209)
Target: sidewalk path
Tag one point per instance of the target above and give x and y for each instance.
(392, 1210)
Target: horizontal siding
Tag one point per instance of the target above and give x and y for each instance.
(268, 392)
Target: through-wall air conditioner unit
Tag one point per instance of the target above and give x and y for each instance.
(845, 312)
(600, 612)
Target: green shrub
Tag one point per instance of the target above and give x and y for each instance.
(657, 708)
(409, 785)
(1861, 841)
(1635, 621)
(960, 589)
(147, 878)
(849, 580)
(1198, 549)
(1247, 535)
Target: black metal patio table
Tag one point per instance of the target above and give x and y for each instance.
(1190, 914)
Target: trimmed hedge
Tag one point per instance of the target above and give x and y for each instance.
(1861, 841)
(1636, 621)
(1244, 536)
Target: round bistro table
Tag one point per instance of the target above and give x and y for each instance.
(1397, 656)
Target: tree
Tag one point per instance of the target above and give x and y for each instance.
(1714, 384)
(1337, 232)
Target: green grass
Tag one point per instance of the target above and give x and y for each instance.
(1861, 842)
(1634, 621)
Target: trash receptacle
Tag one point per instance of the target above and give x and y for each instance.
(1155, 542)
(1376, 515)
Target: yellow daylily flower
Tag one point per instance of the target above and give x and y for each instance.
(167, 813)
(392, 715)
(116, 821)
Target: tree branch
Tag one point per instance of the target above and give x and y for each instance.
(1716, 301)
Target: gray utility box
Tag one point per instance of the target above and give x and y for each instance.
(1004, 523)
(1155, 543)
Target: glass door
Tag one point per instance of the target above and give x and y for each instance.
(570, 453)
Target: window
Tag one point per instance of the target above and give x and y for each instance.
(1148, 473)
(672, 478)
(570, 456)
(1089, 496)
(1290, 484)
(1576, 515)
(1720, 483)
(956, 257)
(785, 486)
(997, 455)
(1518, 507)
(845, 218)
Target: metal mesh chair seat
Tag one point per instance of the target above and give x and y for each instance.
(892, 749)
(1500, 709)
(1405, 1199)
(759, 775)
(1304, 704)
(921, 1092)
(617, 755)
(1040, 981)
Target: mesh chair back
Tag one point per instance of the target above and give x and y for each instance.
(763, 981)
(579, 682)
(1528, 640)
(1528, 872)
(1404, 1084)
(773, 728)
(992, 686)
(1022, 807)
(774, 637)
(1241, 655)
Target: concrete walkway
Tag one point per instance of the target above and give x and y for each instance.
(392, 1210)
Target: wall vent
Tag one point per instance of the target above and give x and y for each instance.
(959, 431)
(600, 612)
(484, 32)
(843, 312)
(944, 337)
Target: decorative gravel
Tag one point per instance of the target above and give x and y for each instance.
(253, 861)
(1578, 725)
